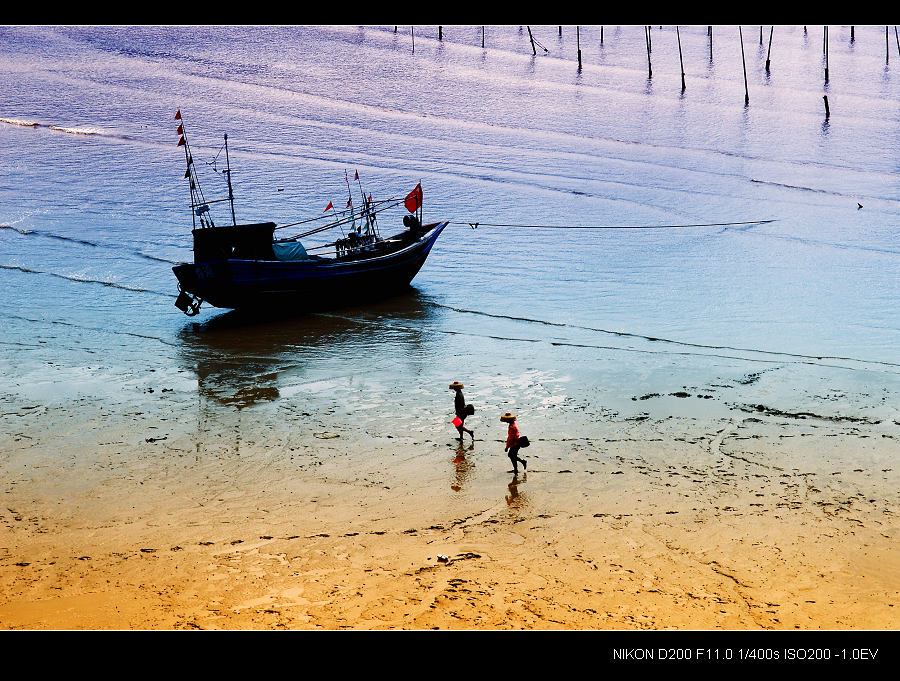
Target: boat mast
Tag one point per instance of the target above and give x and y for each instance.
(367, 211)
(198, 201)
(228, 175)
(189, 161)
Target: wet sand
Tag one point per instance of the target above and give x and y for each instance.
(148, 514)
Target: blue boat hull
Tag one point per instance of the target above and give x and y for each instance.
(306, 284)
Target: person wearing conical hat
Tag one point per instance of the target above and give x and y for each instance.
(512, 443)
(462, 410)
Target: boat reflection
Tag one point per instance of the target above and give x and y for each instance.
(241, 357)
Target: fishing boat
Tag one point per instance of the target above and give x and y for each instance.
(247, 266)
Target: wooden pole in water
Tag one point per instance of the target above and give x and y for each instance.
(709, 33)
(898, 38)
(827, 110)
(647, 38)
(533, 48)
(769, 54)
(482, 37)
(744, 61)
(440, 32)
(826, 54)
(412, 32)
(680, 58)
(578, 42)
(887, 51)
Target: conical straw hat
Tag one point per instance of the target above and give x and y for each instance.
(456, 385)
(508, 417)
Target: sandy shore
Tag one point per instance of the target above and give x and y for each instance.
(117, 517)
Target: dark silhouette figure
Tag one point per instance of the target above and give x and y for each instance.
(462, 410)
(512, 443)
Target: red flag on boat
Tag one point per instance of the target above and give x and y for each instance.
(178, 115)
(181, 141)
(355, 174)
(414, 199)
(328, 207)
(180, 130)
(349, 202)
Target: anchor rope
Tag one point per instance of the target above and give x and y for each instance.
(475, 225)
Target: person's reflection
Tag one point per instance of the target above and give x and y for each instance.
(513, 499)
(462, 466)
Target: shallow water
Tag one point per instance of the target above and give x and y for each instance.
(755, 277)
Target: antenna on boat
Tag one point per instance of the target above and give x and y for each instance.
(367, 213)
(350, 201)
(228, 175)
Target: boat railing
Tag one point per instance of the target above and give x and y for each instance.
(355, 243)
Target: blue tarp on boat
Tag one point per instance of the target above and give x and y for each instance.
(289, 250)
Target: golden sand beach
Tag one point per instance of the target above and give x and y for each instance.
(116, 517)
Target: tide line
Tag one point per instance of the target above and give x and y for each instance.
(653, 339)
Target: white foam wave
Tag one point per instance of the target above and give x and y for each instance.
(58, 128)
(16, 121)
(78, 131)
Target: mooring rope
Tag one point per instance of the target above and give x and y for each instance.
(475, 225)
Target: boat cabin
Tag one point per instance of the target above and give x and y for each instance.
(239, 242)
